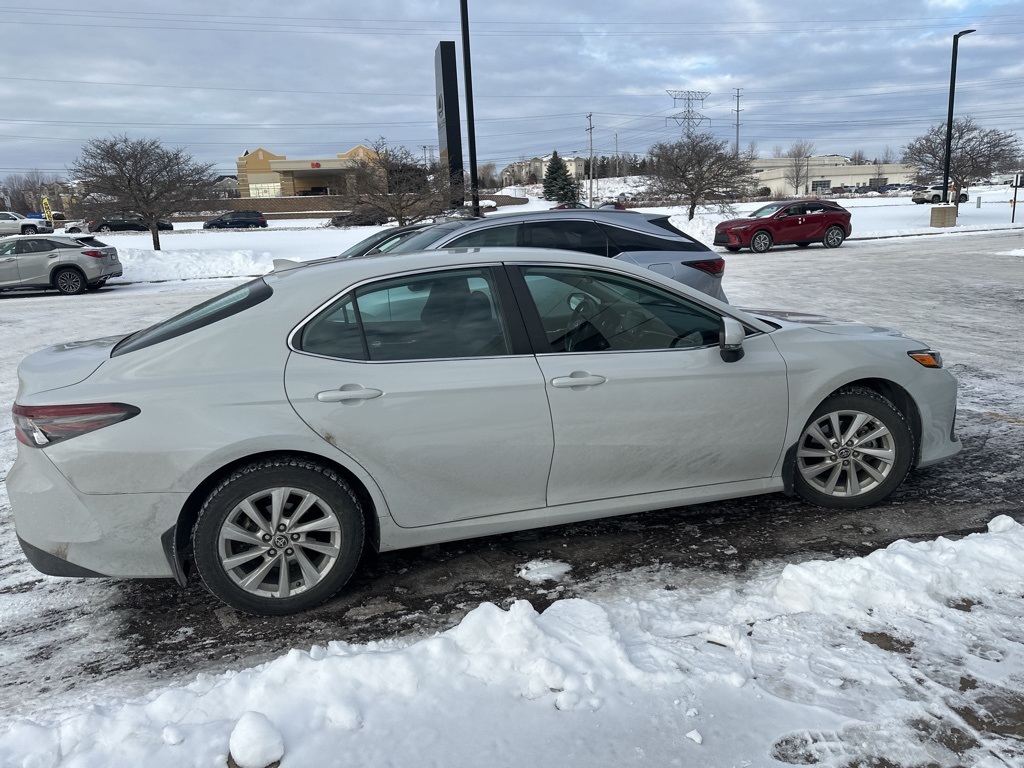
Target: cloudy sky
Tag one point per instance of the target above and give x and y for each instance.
(312, 78)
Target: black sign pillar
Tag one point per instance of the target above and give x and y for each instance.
(449, 128)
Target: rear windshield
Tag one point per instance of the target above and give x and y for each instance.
(227, 304)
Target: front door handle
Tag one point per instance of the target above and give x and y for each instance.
(348, 393)
(577, 379)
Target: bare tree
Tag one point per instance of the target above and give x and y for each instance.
(859, 157)
(751, 152)
(697, 168)
(27, 190)
(778, 152)
(394, 184)
(888, 156)
(141, 175)
(975, 152)
(797, 170)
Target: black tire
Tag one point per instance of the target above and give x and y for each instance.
(963, 198)
(105, 228)
(30, 230)
(310, 556)
(761, 241)
(834, 237)
(69, 281)
(802, 245)
(865, 467)
(73, 231)
(936, 198)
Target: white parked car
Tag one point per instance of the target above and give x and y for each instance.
(268, 434)
(933, 194)
(15, 224)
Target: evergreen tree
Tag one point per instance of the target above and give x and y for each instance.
(558, 184)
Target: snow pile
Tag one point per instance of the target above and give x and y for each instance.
(720, 676)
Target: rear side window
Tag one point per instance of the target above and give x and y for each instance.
(631, 240)
(92, 242)
(664, 223)
(219, 307)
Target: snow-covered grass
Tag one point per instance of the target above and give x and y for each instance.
(833, 663)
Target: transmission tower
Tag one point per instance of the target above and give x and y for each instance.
(689, 118)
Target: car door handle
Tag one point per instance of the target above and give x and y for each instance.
(348, 392)
(577, 379)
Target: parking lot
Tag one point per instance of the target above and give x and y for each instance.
(66, 640)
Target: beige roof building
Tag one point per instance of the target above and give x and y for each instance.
(261, 173)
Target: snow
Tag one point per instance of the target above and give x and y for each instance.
(795, 663)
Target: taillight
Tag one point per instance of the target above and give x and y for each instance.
(711, 266)
(39, 426)
(94, 254)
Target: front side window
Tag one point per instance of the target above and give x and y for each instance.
(427, 316)
(587, 311)
(8, 248)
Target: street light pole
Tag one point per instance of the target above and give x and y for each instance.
(949, 116)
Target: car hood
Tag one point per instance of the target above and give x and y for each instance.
(734, 222)
(820, 323)
(62, 365)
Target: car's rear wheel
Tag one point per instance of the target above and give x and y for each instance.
(936, 198)
(855, 450)
(963, 198)
(69, 281)
(105, 228)
(278, 536)
(73, 231)
(761, 241)
(834, 237)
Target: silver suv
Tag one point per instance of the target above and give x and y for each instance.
(933, 194)
(16, 224)
(645, 239)
(68, 264)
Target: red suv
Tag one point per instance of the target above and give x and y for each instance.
(787, 223)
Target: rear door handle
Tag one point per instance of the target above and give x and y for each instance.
(347, 393)
(577, 379)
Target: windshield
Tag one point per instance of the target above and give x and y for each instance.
(427, 237)
(378, 242)
(766, 210)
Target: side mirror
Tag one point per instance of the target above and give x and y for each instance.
(730, 339)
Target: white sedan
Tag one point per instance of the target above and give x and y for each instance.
(267, 435)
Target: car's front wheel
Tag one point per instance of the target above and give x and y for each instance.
(834, 237)
(69, 281)
(29, 230)
(278, 536)
(761, 242)
(855, 450)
